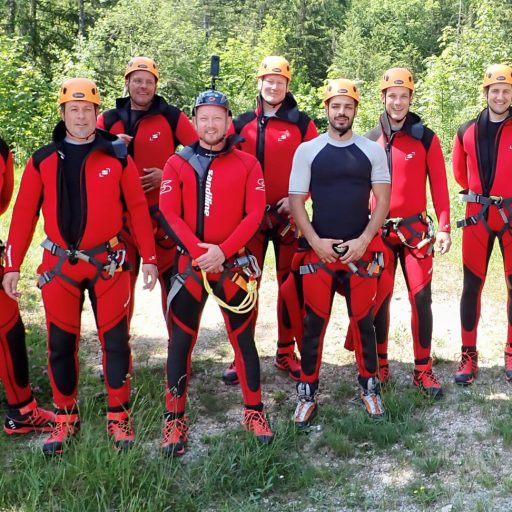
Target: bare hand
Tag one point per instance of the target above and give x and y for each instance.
(443, 242)
(323, 249)
(125, 138)
(152, 179)
(356, 248)
(283, 207)
(10, 285)
(150, 273)
(212, 259)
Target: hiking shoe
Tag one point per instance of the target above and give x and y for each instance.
(66, 426)
(288, 362)
(230, 377)
(370, 398)
(174, 436)
(468, 369)
(30, 418)
(425, 379)
(306, 406)
(256, 422)
(508, 362)
(120, 430)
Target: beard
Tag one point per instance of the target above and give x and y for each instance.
(342, 130)
(505, 109)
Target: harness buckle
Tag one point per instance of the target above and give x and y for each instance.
(72, 256)
(496, 200)
(248, 264)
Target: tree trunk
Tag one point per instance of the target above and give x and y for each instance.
(11, 17)
(81, 19)
(33, 24)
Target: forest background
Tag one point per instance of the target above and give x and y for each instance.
(446, 43)
(452, 455)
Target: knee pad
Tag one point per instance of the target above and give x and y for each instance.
(181, 346)
(381, 321)
(62, 359)
(117, 354)
(470, 294)
(423, 303)
(18, 352)
(313, 328)
(369, 348)
(245, 340)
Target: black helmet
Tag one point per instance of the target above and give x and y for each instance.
(212, 97)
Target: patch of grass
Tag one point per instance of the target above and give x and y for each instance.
(87, 476)
(344, 392)
(207, 400)
(431, 464)
(423, 494)
(280, 396)
(486, 480)
(355, 425)
(503, 427)
(338, 443)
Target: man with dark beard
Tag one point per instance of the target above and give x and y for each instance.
(340, 170)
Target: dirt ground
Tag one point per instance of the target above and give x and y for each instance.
(459, 427)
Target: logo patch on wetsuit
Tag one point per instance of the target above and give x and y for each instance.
(411, 155)
(165, 186)
(261, 185)
(154, 136)
(208, 197)
(283, 136)
(104, 172)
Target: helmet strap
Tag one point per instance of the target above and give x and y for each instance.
(88, 137)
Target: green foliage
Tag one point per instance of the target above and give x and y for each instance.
(26, 99)
(451, 91)
(379, 34)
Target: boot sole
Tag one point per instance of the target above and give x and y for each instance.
(26, 430)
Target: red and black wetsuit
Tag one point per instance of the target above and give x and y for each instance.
(215, 198)
(331, 169)
(273, 141)
(13, 353)
(105, 182)
(156, 134)
(482, 160)
(414, 156)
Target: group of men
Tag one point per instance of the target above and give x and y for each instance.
(114, 193)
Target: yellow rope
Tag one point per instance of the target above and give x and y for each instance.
(245, 306)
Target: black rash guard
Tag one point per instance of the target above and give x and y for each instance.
(71, 209)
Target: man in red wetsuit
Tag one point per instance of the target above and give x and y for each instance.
(414, 156)
(213, 197)
(272, 133)
(482, 161)
(23, 414)
(81, 183)
(152, 129)
(342, 250)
